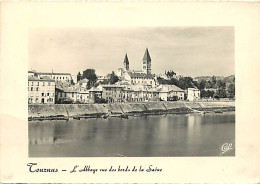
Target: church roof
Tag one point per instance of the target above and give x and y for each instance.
(140, 75)
(126, 59)
(147, 55)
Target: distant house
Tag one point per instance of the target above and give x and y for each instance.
(83, 83)
(112, 93)
(41, 90)
(56, 76)
(170, 92)
(193, 94)
(141, 78)
(83, 96)
(94, 93)
(66, 94)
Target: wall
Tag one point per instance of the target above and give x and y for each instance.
(36, 110)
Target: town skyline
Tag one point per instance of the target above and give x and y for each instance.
(73, 50)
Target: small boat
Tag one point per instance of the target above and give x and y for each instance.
(218, 111)
(76, 117)
(124, 116)
(104, 116)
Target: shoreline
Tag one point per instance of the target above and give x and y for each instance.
(41, 112)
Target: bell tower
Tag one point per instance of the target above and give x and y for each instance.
(126, 63)
(147, 62)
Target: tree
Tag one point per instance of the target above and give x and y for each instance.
(213, 81)
(79, 77)
(202, 84)
(170, 73)
(221, 93)
(221, 84)
(231, 90)
(186, 82)
(91, 76)
(113, 78)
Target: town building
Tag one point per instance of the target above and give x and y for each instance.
(112, 93)
(143, 76)
(193, 94)
(95, 93)
(83, 83)
(56, 76)
(31, 73)
(41, 90)
(170, 92)
(83, 96)
(66, 94)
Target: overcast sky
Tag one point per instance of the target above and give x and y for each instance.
(189, 51)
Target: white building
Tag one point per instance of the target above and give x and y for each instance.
(168, 92)
(83, 83)
(193, 94)
(41, 90)
(83, 96)
(56, 76)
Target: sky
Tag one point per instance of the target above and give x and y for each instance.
(188, 51)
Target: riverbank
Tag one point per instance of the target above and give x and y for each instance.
(77, 111)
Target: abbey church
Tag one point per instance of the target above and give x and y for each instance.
(144, 76)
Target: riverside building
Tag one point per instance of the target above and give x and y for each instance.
(41, 90)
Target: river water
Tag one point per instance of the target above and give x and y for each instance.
(150, 136)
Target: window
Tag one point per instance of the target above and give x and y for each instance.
(31, 88)
(43, 83)
(42, 94)
(60, 77)
(32, 83)
(63, 77)
(48, 94)
(37, 89)
(38, 83)
(72, 95)
(28, 83)
(49, 83)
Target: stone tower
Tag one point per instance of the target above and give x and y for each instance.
(147, 62)
(126, 63)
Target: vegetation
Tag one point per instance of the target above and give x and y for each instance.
(210, 87)
(90, 74)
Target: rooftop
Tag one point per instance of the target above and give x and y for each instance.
(50, 73)
(140, 75)
(30, 78)
(126, 59)
(147, 55)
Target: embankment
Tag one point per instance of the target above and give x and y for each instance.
(65, 111)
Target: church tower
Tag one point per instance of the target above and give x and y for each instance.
(147, 65)
(126, 63)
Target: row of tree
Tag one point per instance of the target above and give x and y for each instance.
(214, 88)
(90, 74)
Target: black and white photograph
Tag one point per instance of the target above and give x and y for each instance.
(131, 92)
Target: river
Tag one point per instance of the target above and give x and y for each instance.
(151, 136)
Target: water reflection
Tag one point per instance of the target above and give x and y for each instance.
(171, 135)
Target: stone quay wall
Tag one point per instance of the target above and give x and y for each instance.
(74, 110)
